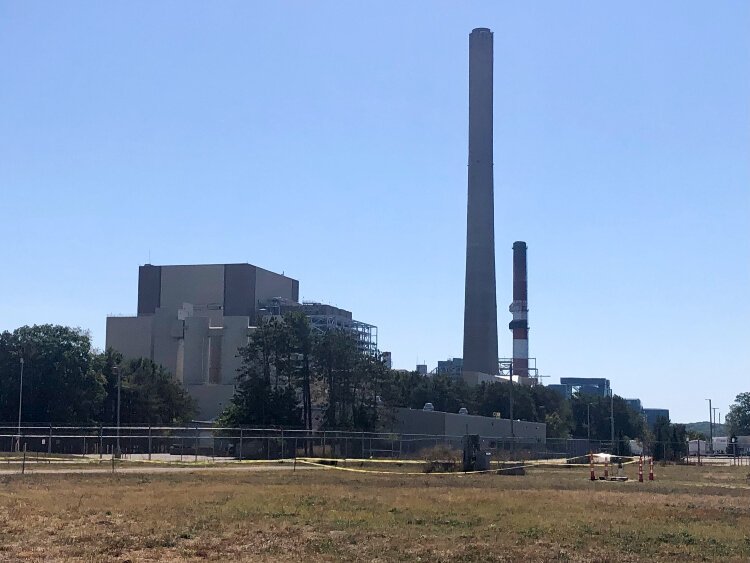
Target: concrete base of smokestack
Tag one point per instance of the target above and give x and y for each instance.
(475, 377)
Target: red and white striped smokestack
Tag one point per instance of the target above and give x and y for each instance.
(520, 309)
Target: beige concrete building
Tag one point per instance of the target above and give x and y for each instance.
(437, 423)
(193, 319)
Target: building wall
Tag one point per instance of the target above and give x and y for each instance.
(196, 351)
(192, 319)
(167, 333)
(653, 414)
(236, 334)
(239, 290)
(149, 289)
(413, 421)
(564, 390)
(201, 286)
(475, 378)
(269, 285)
(131, 336)
(588, 385)
(211, 399)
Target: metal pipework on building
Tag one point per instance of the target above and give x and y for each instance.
(520, 310)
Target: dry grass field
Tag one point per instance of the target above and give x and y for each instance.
(689, 513)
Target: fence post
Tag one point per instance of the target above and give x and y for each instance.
(49, 446)
(149, 442)
(240, 442)
(101, 439)
(699, 452)
(195, 446)
(362, 453)
(324, 444)
(295, 454)
(23, 465)
(282, 445)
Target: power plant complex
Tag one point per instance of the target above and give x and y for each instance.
(193, 318)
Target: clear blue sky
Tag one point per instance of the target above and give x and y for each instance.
(328, 140)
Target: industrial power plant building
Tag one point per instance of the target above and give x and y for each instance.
(193, 319)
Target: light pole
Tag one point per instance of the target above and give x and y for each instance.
(612, 418)
(116, 369)
(710, 426)
(510, 373)
(20, 402)
(715, 409)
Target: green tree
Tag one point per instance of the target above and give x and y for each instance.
(557, 426)
(445, 392)
(352, 382)
(149, 393)
(628, 423)
(60, 382)
(738, 418)
(265, 394)
(669, 440)
(300, 334)
(334, 361)
(370, 378)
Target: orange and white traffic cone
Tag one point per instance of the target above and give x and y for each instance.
(640, 469)
(591, 466)
(651, 468)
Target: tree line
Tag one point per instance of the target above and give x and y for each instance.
(66, 381)
(295, 377)
(287, 368)
(291, 373)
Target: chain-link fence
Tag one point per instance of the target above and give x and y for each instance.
(207, 442)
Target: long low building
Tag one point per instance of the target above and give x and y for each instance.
(437, 423)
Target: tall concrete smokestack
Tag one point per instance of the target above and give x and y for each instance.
(520, 309)
(480, 308)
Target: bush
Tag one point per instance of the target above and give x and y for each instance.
(441, 458)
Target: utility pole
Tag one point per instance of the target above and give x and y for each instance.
(20, 402)
(116, 369)
(612, 418)
(512, 434)
(715, 418)
(710, 427)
